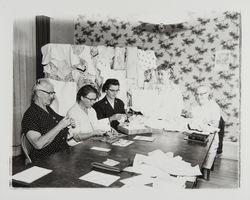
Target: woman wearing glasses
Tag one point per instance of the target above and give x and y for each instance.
(45, 129)
(110, 106)
(205, 116)
(86, 122)
(205, 112)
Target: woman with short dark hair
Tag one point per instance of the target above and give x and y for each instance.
(110, 106)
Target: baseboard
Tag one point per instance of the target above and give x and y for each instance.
(230, 150)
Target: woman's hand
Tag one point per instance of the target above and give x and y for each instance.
(115, 117)
(66, 121)
(98, 132)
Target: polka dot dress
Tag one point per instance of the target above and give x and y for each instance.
(36, 119)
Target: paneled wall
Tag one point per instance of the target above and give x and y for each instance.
(201, 51)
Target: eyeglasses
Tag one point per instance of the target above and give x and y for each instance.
(90, 99)
(201, 94)
(114, 90)
(49, 93)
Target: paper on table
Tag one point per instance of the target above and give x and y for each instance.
(145, 138)
(122, 142)
(137, 180)
(128, 186)
(111, 162)
(31, 174)
(157, 162)
(144, 169)
(101, 149)
(99, 178)
(139, 159)
(171, 182)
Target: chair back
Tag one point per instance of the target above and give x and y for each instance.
(26, 147)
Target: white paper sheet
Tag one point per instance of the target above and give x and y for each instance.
(122, 142)
(145, 138)
(111, 162)
(170, 183)
(100, 149)
(137, 180)
(99, 178)
(31, 174)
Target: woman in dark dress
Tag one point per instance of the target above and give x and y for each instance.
(44, 128)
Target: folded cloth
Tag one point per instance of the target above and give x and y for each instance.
(58, 52)
(65, 96)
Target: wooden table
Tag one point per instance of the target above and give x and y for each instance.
(75, 162)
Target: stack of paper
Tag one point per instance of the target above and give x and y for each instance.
(160, 166)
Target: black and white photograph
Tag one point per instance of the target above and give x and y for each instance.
(124, 98)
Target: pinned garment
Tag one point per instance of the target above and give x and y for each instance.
(119, 58)
(56, 58)
(146, 61)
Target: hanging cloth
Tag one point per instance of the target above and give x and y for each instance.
(119, 58)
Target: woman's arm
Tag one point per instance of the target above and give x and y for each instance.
(40, 141)
(84, 136)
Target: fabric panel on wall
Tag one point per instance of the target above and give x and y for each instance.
(24, 73)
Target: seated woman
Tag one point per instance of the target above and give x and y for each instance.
(110, 106)
(86, 122)
(46, 130)
(205, 116)
(204, 112)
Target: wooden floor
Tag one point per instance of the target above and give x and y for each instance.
(225, 175)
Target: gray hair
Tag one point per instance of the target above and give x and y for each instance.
(207, 89)
(40, 83)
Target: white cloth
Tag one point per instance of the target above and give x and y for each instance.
(208, 113)
(56, 58)
(53, 52)
(146, 60)
(104, 59)
(82, 52)
(86, 122)
(164, 104)
(144, 100)
(58, 68)
(65, 96)
(131, 62)
(170, 102)
(119, 58)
